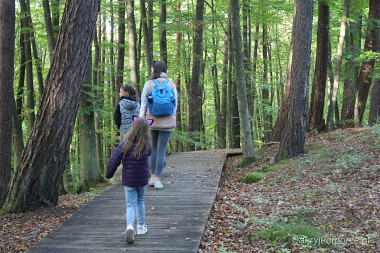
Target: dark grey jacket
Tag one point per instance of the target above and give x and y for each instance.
(126, 108)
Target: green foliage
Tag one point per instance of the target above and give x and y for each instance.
(347, 160)
(253, 177)
(246, 161)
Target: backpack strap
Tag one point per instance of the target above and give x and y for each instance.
(159, 84)
(156, 82)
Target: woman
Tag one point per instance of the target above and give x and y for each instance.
(162, 126)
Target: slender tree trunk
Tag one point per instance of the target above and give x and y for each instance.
(29, 65)
(317, 101)
(223, 110)
(292, 141)
(265, 89)
(351, 68)
(245, 124)
(121, 46)
(178, 144)
(162, 33)
(133, 67)
(367, 65)
(44, 158)
(194, 104)
(144, 24)
(112, 57)
(21, 83)
(339, 56)
(7, 48)
(49, 29)
(375, 102)
(150, 26)
(55, 16)
(89, 173)
(37, 60)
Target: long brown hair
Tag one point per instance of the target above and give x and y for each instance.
(139, 133)
(158, 68)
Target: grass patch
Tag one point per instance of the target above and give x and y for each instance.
(347, 160)
(337, 136)
(253, 177)
(271, 168)
(246, 161)
(293, 232)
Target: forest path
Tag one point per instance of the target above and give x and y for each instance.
(176, 216)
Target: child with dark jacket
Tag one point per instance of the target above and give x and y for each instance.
(134, 152)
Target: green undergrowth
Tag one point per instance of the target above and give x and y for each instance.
(255, 177)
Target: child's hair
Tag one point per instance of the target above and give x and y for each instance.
(131, 91)
(139, 133)
(158, 68)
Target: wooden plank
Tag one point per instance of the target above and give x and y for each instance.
(176, 215)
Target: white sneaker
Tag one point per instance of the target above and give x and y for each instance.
(142, 229)
(151, 181)
(129, 234)
(158, 185)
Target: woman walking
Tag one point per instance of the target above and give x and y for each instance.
(163, 125)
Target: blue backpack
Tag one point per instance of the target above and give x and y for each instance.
(161, 100)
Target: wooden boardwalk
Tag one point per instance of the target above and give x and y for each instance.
(176, 216)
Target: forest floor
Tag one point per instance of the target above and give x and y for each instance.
(327, 200)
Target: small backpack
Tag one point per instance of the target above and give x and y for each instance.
(161, 100)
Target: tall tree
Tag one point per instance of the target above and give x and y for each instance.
(353, 42)
(7, 48)
(194, 85)
(132, 63)
(339, 57)
(44, 158)
(245, 124)
(162, 33)
(223, 109)
(292, 141)
(375, 102)
(178, 144)
(121, 46)
(49, 28)
(89, 173)
(367, 65)
(144, 21)
(29, 63)
(317, 101)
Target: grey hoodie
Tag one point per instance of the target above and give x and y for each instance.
(128, 108)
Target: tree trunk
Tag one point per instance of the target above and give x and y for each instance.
(29, 65)
(150, 27)
(144, 24)
(293, 138)
(223, 110)
(121, 46)
(245, 124)
(37, 60)
(44, 158)
(21, 83)
(367, 65)
(339, 56)
(112, 57)
(375, 101)
(7, 48)
(194, 85)
(317, 101)
(49, 29)
(351, 68)
(132, 63)
(89, 173)
(178, 144)
(162, 33)
(265, 87)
